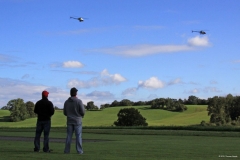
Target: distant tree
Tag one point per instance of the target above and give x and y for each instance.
(229, 99)
(179, 106)
(217, 110)
(233, 107)
(169, 104)
(130, 117)
(202, 102)
(126, 102)
(5, 108)
(139, 103)
(30, 109)
(56, 108)
(192, 100)
(18, 110)
(180, 100)
(158, 103)
(115, 103)
(104, 106)
(91, 106)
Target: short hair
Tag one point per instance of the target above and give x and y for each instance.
(73, 91)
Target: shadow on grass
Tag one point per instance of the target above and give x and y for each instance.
(5, 119)
(94, 110)
(145, 108)
(149, 108)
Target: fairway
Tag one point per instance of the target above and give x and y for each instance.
(154, 117)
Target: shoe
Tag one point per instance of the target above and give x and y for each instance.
(50, 150)
(36, 150)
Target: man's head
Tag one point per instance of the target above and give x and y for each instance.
(73, 91)
(45, 94)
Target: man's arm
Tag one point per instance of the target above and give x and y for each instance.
(52, 111)
(81, 108)
(36, 108)
(64, 109)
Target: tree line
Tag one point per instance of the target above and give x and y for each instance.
(19, 110)
(161, 103)
(222, 110)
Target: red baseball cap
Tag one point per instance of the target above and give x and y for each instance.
(45, 93)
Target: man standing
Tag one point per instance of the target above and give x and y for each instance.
(44, 109)
(74, 110)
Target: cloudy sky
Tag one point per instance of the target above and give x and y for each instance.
(136, 50)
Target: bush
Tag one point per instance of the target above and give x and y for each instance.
(203, 123)
(18, 110)
(130, 117)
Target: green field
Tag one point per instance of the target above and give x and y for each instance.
(128, 144)
(170, 136)
(154, 117)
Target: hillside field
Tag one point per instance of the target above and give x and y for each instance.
(154, 117)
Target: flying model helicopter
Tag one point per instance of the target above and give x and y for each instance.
(79, 18)
(200, 32)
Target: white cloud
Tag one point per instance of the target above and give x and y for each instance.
(152, 83)
(195, 90)
(13, 89)
(94, 82)
(199, 41)
(148, 49)
(205, 90)
(72, 64)
(105, 78)
(115, 78)
(211, 89)
(129, 91)
(99, 94)
(143, 50)
(175, 81)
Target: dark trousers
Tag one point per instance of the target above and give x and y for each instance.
(42, 126)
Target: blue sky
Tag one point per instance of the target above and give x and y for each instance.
(136, 50)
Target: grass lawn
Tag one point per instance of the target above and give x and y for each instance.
(155, 117)
(169, 136)
(141, 145)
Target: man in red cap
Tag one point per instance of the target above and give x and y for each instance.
(44, 109)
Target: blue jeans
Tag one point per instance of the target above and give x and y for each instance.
(42, 126)
(78, 134)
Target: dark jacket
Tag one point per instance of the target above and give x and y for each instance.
(44, 109)
(74, 110)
